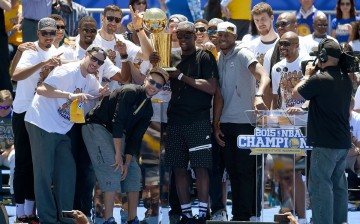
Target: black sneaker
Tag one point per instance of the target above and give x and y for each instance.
(185, 220)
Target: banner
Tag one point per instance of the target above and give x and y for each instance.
(6, 133)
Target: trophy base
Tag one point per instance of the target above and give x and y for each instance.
(169, 69)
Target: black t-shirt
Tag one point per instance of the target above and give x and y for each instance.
(188, 104)
(127, 110)
(329, 93)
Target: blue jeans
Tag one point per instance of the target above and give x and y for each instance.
(328, 185)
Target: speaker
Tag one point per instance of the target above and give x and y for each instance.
(238, 222)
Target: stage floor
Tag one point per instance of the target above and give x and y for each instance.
(353, 217)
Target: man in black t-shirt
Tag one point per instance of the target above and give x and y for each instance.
(329, 93)
(189, 130)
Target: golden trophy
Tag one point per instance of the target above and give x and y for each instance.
(155, 21)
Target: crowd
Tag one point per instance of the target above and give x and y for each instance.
(83, 102)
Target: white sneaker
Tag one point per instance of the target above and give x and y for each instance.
(220, 215)
(254, 219)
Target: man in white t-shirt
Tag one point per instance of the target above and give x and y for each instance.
(48, 120)
(111, 42)
(27, 75)
(263, 17)
(285, 75)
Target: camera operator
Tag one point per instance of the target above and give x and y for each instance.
(329, 92)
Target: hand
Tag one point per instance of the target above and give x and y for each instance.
(80, 218)
(310, 70)
(209, 46)
(293, 110)
(124, 172)
(226, 12)
(81, 97)
(54, 61)
(118, 162)
(105, 91)
(175, 74)
(5, 154)
(27, 46)
(137, 18)
(17, 27)
(154, 58)
(291, 218)
(259, 104)
(120, 47)
(218, 136)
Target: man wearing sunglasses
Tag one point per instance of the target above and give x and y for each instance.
(320, 26)
(121, 118)
(112, 42)
(48, 121)
(27, 74)
(238, 71)
(193, 85)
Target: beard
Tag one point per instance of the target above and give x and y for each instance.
(264, 31)
(48, 45)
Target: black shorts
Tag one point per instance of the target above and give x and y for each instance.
(190, 142)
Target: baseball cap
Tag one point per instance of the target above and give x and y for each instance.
(177, 18)
(47, 24)
(186, 26)
(215, 22)
(332, 48)
(160, 72)
(227, 27)
(96, 48)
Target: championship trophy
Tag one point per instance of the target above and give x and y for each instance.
(155, 21)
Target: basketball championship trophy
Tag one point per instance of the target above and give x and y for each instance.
(155, 21)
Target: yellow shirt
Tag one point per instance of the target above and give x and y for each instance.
(10, 18)
(240, 9)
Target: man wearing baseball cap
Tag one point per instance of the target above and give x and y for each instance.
(30, 63)
(122, 117)
(193, 85)
(238, 71)
(329, 92)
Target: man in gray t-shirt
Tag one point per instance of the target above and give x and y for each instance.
(238, 70)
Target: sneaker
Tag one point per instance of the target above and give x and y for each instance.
(111, 220)
(124, 216)
(134, 221)
(174, 219)
(185, 220)
(220, 215)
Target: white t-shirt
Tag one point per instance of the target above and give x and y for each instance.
(355, 125)
(260, 48)
(26, 88)
(108, 46)
(53, 114)
(285, 76)
(355, 44)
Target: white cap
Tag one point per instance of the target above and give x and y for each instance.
(227, 27)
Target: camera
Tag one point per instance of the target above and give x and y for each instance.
(304, 64)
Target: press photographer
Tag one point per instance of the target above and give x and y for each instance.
(329, 92)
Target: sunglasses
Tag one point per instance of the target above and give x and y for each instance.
(285, 43)
(112, 18)
(140, 3)
(281, 24)
(154, 83)
(4, 107)
(46, 33)
(200, 29)
(85, 30)
(95, 59)
(212, 32)
(187, 36)
(60, 27)
(322, 24)
(345, 3)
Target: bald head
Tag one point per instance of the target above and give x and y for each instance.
(320, 25)
(291, 36)
(286, 22)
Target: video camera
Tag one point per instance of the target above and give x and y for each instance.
(348, 62)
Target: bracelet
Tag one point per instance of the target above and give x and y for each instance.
(70, 96)
(303, 78)
(138, 30)
(180, 76)
(124, 60)
(259, 95)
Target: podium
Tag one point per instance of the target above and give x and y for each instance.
(280, 146)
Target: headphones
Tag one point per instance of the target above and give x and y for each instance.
(322, 54)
